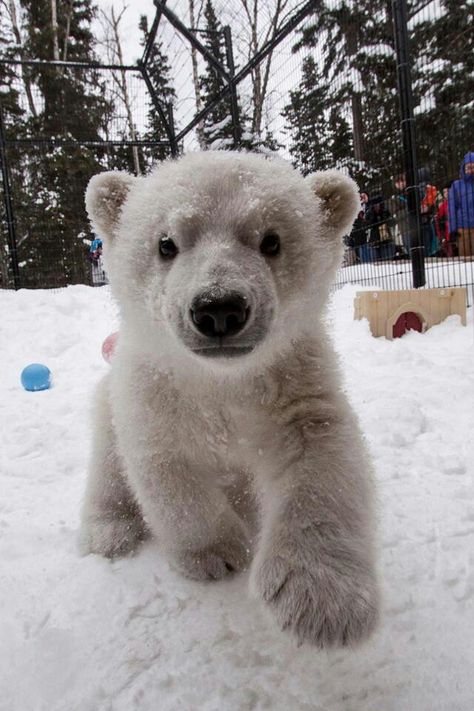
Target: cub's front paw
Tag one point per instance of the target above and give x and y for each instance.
(323, 605)
(111, 538)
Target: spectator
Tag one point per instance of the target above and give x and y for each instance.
(364, 202)
(428, 201)
(401, 211)
(95, 250)
(428, 204)
(380, 222)
(98, 275)
(461, 207)
(358, 236)
(446, 245)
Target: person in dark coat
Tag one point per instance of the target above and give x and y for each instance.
(379, 221)
(401, 210)
(428, 200)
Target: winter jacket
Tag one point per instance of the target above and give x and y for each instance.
(358, 235)
(428, 196)
(442, 222)
(379, 221)
(461, 198)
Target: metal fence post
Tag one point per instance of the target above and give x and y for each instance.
(7, 198)
(417, 251)
(173, 143)
(234, 104)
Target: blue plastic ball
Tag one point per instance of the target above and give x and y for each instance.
(36, 377)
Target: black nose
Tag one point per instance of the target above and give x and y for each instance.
(218, 317)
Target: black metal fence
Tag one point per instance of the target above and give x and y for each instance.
(380, 90)
(75, 120)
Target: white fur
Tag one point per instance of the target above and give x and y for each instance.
(225, 459)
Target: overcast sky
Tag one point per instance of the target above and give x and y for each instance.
(129, 25)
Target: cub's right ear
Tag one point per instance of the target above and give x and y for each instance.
(105, 196)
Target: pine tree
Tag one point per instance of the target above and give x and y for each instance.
(340, 140)
(307, 120)
(72, 107)
(12, 117)
(160, 74)
(9, 78)
(356, 46)
(217, 126)
(443, 74)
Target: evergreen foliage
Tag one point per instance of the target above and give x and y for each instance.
(443, 75)
(344, 112)
(71, 107)
(354, 45)
(9, 74)
(217, 125)
(307, 120)
(12, 113)
(159, 70)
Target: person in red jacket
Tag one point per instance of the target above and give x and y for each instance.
(447, 246)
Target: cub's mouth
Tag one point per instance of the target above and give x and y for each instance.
(223, 351)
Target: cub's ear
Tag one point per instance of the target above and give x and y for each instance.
(339, 196)
(105, 196)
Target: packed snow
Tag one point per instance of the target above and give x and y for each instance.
(87, 634)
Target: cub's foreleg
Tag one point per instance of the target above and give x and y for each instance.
(175, 480)
(315, 565)
(111, 520)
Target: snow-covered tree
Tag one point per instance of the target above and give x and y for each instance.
(443, 73)
(217, 128)
(355, 46)
(307, 120)
(159, 70)
(70, 107)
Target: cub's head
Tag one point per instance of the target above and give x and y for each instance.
(222, 254)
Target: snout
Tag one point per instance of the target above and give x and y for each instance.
(224, 322)
(219, 317)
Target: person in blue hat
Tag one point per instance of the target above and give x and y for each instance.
(95, 250)
(99, 277)
(461, 207)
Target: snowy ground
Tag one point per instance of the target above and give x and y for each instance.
(84, 634)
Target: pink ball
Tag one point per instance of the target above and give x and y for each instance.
(108, 347)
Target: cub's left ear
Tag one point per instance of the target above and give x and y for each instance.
(339, 196)
(105, 197)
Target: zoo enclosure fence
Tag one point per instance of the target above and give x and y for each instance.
(386, 90)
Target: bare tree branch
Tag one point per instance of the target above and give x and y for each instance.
(24, 70)
(54, 27)
(68, 28)
(113, 43)
(258, 36)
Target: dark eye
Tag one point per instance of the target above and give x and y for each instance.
(270, 244)
(168, 249)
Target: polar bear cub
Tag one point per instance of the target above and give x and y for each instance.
(221, 428)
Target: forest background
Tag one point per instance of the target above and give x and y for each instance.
(326, 97)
